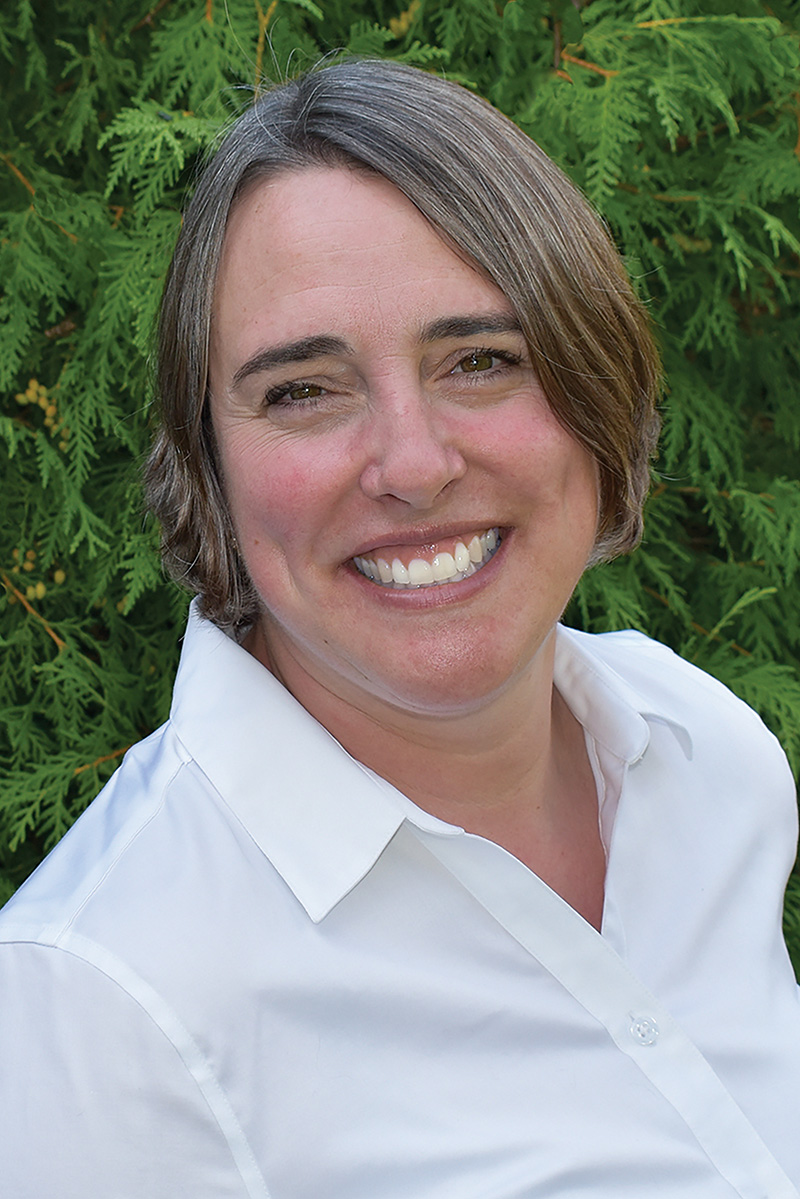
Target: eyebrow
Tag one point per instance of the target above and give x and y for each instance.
(291, 351)
(308, 348)
(469, 326)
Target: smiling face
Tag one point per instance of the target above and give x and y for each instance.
(412, 515)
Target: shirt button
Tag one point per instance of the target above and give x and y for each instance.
(644, 1030)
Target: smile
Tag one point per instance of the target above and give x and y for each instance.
(444, 566)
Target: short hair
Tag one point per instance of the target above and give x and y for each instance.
(499, 201)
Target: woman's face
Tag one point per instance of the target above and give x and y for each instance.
(412, 515)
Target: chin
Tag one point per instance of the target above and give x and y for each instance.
(452, 683)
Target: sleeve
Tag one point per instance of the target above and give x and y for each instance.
(96, 1100)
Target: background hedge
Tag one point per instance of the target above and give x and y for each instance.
(680, 120)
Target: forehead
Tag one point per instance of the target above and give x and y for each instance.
(332, 250)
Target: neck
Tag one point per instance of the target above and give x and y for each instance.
(450, 762)
(468, 767)
(513, 769)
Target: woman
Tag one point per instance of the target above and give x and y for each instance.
(417, 893)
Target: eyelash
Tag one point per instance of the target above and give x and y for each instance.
(278, 394)
(504, 357)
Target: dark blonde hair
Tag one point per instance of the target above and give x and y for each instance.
(499, 201)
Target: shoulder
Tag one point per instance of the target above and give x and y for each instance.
(97, 1065)
(90, 864)
(646, 663)
(659, 675)
(661, 682)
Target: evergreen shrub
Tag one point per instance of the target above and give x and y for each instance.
(680, 119)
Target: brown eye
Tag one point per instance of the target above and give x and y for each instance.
(293, 394)
(477, 362)
(304, 391)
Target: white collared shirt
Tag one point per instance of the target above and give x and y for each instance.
(254, 969)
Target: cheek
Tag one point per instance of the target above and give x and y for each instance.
(275, 491)
(532, 446)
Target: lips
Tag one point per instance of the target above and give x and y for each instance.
(430, 566)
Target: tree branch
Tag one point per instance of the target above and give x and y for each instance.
(104, 758)
(32, 611)
(589, 66)
(16, 171)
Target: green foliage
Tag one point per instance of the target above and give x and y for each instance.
(680, 120)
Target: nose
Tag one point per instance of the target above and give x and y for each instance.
(412, 457)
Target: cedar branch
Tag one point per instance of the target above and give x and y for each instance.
(668, 21)
(683, 142)
(667, 199)
(16, 171)
(148, 18)
(662, 599)
(104, 758)
(23, 599)
(72, 237)
(263, 21)
(664, 197)
(557, 43)
(589, 66)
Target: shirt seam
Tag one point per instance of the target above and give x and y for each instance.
(97, 957)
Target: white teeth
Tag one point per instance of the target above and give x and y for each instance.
(445, 568)
(419, 572)
(366, 566)
(399, 572)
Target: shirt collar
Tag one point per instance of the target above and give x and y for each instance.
(618, 711)
(319, 816)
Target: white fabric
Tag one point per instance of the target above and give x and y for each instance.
(253, 968)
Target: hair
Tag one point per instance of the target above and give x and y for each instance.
(499, 201)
